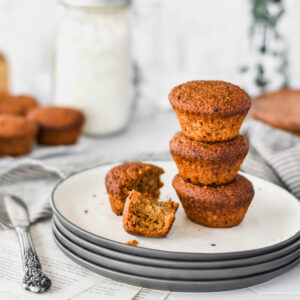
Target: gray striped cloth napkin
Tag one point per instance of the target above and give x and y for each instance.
(274, 155)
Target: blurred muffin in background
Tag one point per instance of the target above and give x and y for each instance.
(57, 125)
(17, 135)
(16, 105)
(280, 109)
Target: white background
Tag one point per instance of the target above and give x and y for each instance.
(175, 41)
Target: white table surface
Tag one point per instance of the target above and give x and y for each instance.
(153, 134)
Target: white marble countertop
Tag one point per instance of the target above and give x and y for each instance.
(152, 135)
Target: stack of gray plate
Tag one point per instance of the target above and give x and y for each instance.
(192, 258)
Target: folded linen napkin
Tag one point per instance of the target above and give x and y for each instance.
(274, 155)
(33, 178)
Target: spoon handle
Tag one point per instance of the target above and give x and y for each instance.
(34, 280)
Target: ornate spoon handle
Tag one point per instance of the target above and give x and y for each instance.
(34, 280)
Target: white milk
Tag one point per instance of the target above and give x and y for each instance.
(92, 66)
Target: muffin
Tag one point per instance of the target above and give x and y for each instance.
(210, 111)
(280, 109)
(57, 125)
(208, 164)
(144, 217)
(219, 207)
(122, 179)
(17, 135)
(16, 105)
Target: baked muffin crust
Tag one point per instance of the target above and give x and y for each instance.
(17, 105)
(16, 126)
(208, 163)
(17, 135)
(192, 149)
(57, 125)
(221, 206)
(57, 118)
(124, 178)
(210, 97)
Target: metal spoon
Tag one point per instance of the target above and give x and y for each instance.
(14, 215)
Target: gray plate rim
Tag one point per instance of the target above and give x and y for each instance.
(172, 263)
(176, 285)
(153, 252)
(173, 273)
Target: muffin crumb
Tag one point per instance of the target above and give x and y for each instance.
(132, 243)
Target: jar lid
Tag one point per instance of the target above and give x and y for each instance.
(93, 3)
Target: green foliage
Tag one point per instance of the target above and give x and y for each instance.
(262, 14)
(265, 17)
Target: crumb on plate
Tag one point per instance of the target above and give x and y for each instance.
(132, 243)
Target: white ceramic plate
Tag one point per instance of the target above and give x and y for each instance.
(175, 285)
(212, 263)
(272, 218)
(174, 273)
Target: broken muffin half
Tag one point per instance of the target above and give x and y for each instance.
(122, 179)
(143, 216)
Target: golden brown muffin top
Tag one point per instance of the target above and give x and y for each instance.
(17, 105)
(127, 174)
(13, 126)
(192, 149)
(210, 97)
(280, 109)
(240, 189)
(56, 118)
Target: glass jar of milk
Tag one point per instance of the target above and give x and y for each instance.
(92, 65)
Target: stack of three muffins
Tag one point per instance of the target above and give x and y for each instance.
(209, 152)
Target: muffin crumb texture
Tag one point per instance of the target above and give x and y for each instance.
(144, 217)
(132, 243)
(122, 179)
